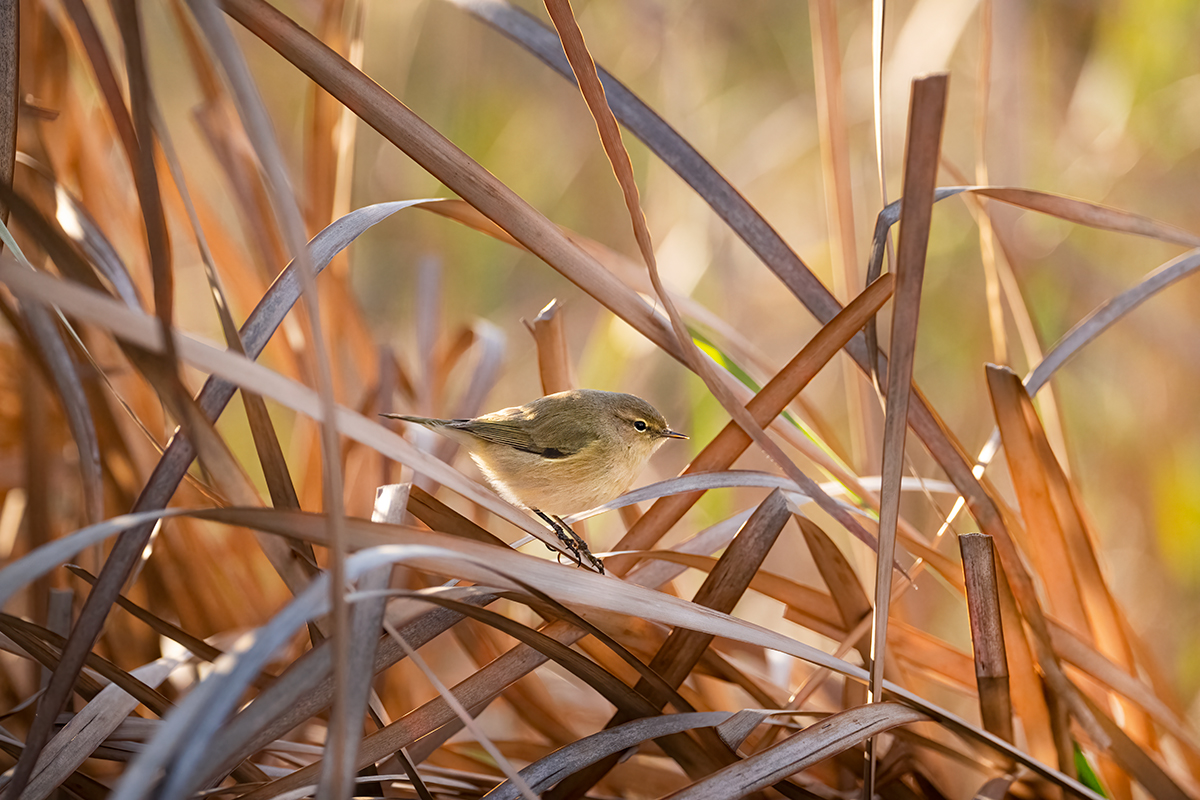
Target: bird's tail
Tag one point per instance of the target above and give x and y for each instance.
(428, 422)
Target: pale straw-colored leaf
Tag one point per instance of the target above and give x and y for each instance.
(89, 728)
(546, 772)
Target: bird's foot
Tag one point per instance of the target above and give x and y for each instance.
(572, 541)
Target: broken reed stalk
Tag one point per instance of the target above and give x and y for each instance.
(987, 633)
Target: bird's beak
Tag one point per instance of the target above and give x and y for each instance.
(670, 434)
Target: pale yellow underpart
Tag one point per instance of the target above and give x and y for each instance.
(563, 486)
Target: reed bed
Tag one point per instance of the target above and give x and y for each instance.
(933, 535)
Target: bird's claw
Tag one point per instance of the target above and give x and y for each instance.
(572, 541)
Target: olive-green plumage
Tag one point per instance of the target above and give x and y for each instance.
(563, 453)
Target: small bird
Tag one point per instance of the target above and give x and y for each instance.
(565, 452)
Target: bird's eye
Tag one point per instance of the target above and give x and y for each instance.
(639, 425)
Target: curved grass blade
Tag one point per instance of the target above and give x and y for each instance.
(814, 744)
(81, 228)
(546, 772)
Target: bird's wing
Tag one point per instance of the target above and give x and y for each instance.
(499, 431)
(517, 429)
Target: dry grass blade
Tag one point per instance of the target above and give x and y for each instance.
(543, 774)
(1103, 612)
(805, 605)
(941, 443)
(1108, 314)
(24, 637)
(286, 687)
(440, 517)
(488, 746)
(987, 634)
(540, 646)
(1007, 406)
(651, 679)
(1100, 320)
(529, 698)
(58, 692)
(53, 350)
(1137, 763)
(572, 587)
(266, 441)
(180, 453)
(106, 80)
(291, 560)
(194, 645)
(844, 587)
(1045, 543)
(88, 729)
(145, 175)
(1061, 545)
(839, 207)
(366, 621)
(702, 482)
(995, 788)
(1092, 215)
(680, 653)
(1070, 209)
(814, 744)
(588, 80)
(554, 361)
(83, 229)
(305, 689)
(330, 142)
(927, 110)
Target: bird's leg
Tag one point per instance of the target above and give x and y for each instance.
(582, 545)
(573, 541)
(568, 542)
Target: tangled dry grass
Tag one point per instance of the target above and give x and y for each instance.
(281, 596)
